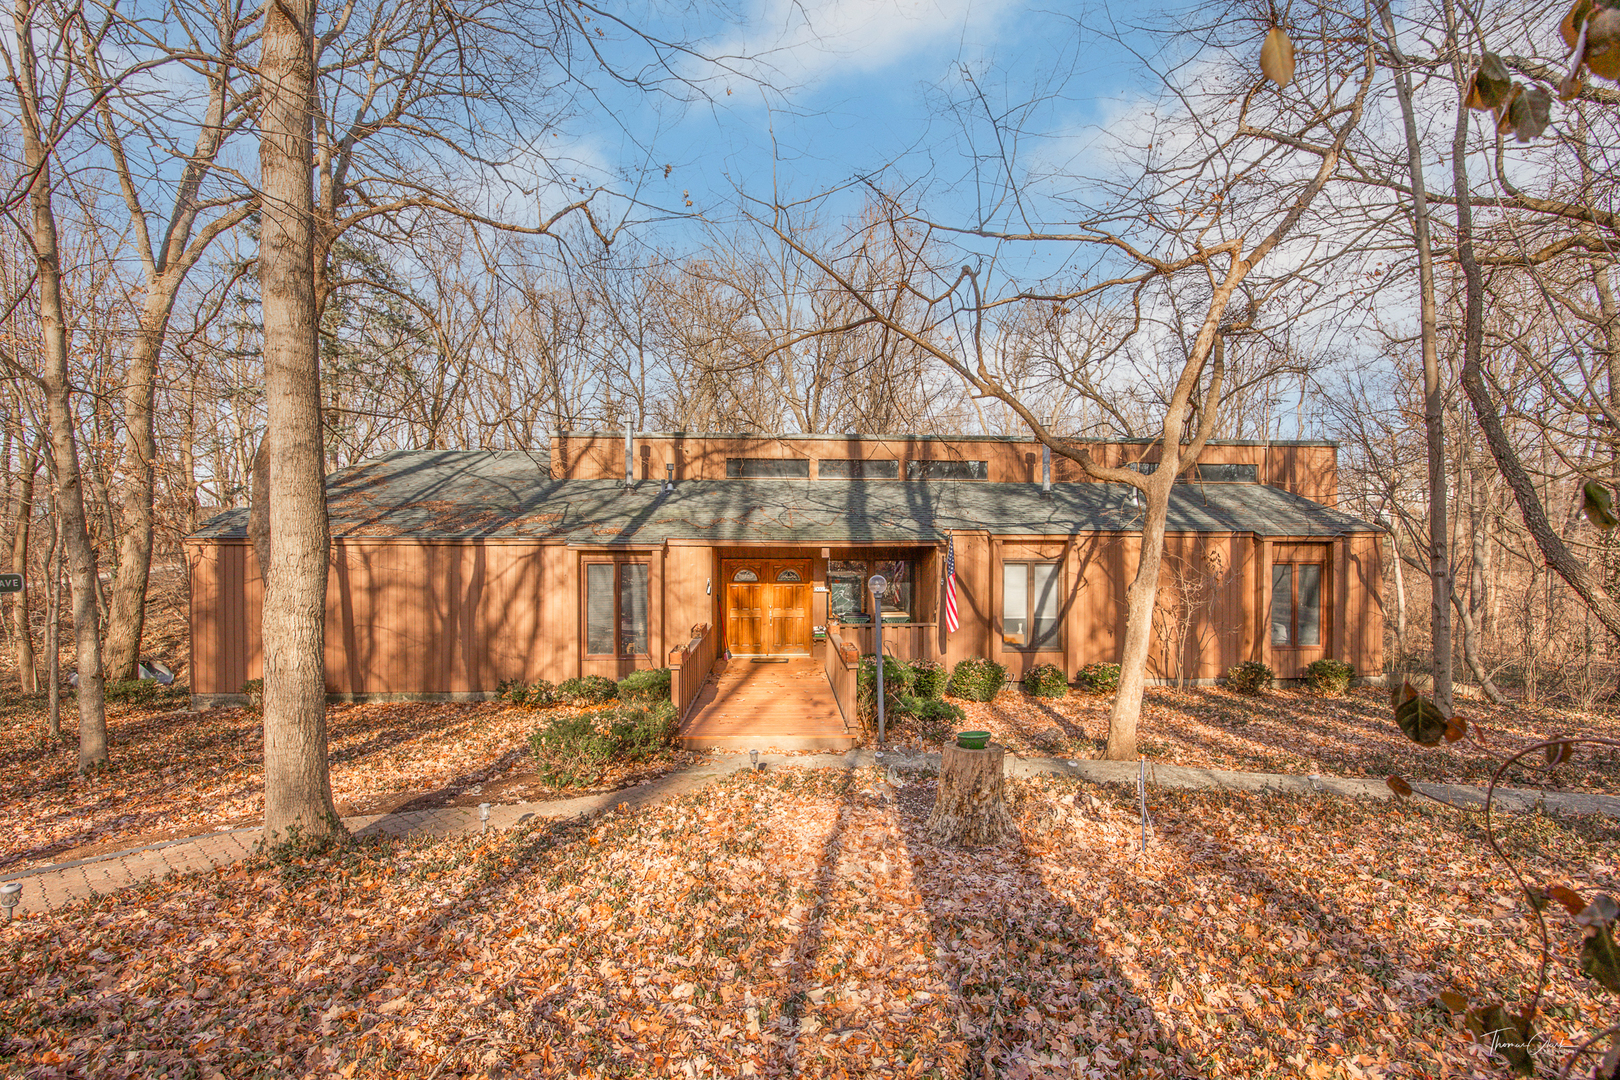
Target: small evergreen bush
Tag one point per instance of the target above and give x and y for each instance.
(1249, 677)
(1098, 678)
(1046, 680)
(977, 679)
(587, 690)
(897, 680)
(928, 678)
(253, 690)
(535, 695)
(936, 720)
(1329, 678)
(574, 751)
(645, 687)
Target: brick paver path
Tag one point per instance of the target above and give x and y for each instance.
(49, 887)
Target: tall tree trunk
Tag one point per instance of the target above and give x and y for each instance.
(126, 615)
(297, 787)
(1140, 599)
(70, 509)
(1471, 613)
(1400, 599)
(259, 505)
(1433, 400)
(53, 631)
(22, 633)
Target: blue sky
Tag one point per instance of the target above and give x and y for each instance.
(847, 88)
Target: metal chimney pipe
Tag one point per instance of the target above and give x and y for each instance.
(629, 453)
(1046, 469)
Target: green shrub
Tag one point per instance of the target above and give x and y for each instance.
(1098, 678)
(935, 719)
(253, 689)
(1046, 680)
(642, 732)
(535, 695)
(928, 678)
(1249, 677)
(587, 690)
(1329, 678)
(977, 679)
(645, 687)
(897, 680)
(574, 751)
(131, 691)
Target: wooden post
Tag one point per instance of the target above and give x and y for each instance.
(971, 807)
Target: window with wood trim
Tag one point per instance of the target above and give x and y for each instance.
(1296, 604)
(947, 470)
(1031, 608)
(858, 469)
(755, 468)
(616, 614)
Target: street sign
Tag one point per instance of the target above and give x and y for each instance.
(11, 583)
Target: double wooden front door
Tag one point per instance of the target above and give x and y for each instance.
(767, 606)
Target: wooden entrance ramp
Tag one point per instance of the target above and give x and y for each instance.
(749, 705)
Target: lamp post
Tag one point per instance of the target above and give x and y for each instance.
(879, 585)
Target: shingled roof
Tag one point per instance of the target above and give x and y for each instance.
(473, 495)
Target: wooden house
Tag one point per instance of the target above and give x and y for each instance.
(453, 571)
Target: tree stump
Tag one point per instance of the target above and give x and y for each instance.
(971, 807)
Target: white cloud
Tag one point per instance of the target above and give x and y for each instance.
(809, 41)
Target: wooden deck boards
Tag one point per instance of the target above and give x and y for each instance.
(782, 706)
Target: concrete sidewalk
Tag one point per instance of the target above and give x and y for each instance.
(47, 888)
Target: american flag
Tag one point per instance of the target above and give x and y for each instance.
(951, 622)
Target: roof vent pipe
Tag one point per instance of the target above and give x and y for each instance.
(1046, 469)
(669, 476)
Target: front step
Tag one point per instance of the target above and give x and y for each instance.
(700, 741)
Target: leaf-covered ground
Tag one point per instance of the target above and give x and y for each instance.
(802, 923)
(182, 773)
(1294, 732)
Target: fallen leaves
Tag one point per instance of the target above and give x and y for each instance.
(801, 922)
(183, 773)
(1291, 731)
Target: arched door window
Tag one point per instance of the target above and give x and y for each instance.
(789, 575)
(745, 575)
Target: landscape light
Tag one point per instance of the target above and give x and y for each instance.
(483, 816)
(753, 759)
(10, 897)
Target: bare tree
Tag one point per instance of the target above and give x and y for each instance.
(136, 126)
(40, 85)
(297, 786)
(1197, 215)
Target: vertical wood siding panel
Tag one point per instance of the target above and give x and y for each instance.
(205, 611)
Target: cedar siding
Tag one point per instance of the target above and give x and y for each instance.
(452, 573)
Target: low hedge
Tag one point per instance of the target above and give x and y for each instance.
(535, 695)
(1329, 678)
(1046, 680)
(935, 719)
(976, 679)
(1249, 677)
(1098, 678)
(928, 678)
(587, 690)
(573, 751)
(645, 687)
(897, 683)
